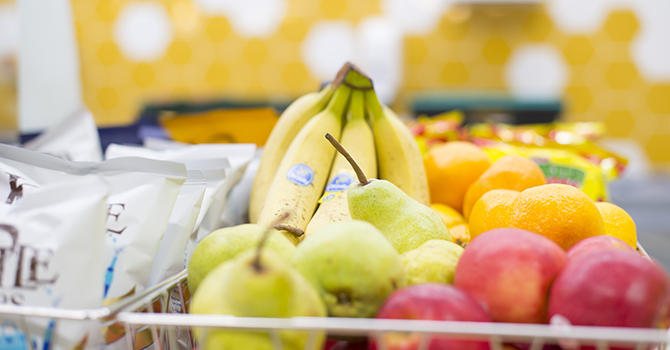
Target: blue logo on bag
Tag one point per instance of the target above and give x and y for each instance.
(340, 182)
(11, 338)
(300, 174)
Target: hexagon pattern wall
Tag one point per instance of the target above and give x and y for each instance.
(9, 40)
(608, 59)
(536, 71)
(143, 31)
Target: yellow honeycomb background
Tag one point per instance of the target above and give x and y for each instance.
(8, 90)
(467, 50)
(602, 86)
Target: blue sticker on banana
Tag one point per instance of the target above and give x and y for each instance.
(340, 182)
(327, 196)
(300, 174)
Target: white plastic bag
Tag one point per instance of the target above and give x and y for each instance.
(214, 168)
(239, 156)
(212, 219)
(238, 214)
(143, 194)
(171, 258)
(52, 249)
(76, 138)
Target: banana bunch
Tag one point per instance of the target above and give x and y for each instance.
(300, 173)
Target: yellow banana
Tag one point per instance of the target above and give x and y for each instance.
(398, 155)
(357, 138)
(303, 172)
(296, 115)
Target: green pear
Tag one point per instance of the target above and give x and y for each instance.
(405, 222)
(352, 265)
(433, 261)
(257, 284)
(224, 244)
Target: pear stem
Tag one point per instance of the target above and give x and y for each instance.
(257, 259)
(359, 172)
(261, 243)
(296, 231)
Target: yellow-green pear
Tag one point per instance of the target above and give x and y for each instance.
(224, 244)
(256, 284)
(352, 265)
(433, 261)
(405, 222)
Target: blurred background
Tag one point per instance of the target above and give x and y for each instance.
(511, 61)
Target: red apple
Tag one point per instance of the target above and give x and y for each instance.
(663, 320)
(595, 243)
(329, 344)
(510, 270)
(431, 301)
(614, 288)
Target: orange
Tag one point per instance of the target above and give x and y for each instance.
(451, 168)
(460, 234)
(491, 211)
(510, 172)
(618, 223)
(449, 215)
(559, 212)
(458, 228)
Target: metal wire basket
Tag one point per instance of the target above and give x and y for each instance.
(173, 329)
(158, 318)
(105, 315)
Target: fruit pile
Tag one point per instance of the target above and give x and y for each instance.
(299, 169)
(328, 240)
(567, 153)
(467, 188)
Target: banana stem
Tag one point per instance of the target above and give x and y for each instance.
(296, 231)
(341, 74)
(356, 79)
(353, 77)
(359, 172)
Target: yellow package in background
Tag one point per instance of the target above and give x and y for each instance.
(566, 152)
(441, 128)
(248, 125)
(559, 166)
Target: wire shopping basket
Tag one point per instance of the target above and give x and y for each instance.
(174, 329)
(106, 316)
(158, 318)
